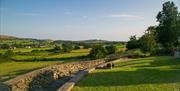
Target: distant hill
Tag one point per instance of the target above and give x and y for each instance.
(93, 41)
(7, 37)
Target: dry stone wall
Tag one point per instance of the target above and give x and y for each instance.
(46, 78)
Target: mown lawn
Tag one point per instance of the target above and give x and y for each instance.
(144, 74)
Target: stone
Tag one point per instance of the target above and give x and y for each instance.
(41, 79)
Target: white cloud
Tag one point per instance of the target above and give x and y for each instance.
(125, 16)
(67, 13)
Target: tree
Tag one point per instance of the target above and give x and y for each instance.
(97, 52)
(148, 41)
(132, 43)
(110, 49)
(9, 53)
(4, 46)
(167, 31)
(57, 47)
(67, 47)
(77, 47)
(178, 26)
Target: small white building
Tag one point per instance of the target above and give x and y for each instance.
(28, 47)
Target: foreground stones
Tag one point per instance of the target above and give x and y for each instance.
(71, 83)
(49, 78)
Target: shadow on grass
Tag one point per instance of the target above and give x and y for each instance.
(168, 61)
(135, 61)
(123, 78)
(145, 74)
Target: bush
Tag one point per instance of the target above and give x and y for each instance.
(57, 48)
(4, 46)
(77, 47)
(136, 53)
(133, 43)
(110, 49)
(9, 53)
(35, 51)
(97, 52)
(113, 57)
(67, 47)
(164, 51)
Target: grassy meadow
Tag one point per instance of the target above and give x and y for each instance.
(141, 74)
(10, 68)
(25, 60)
(23, 49)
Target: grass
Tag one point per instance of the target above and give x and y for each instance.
(29, 56)
(144, 74)
(10, 69)
(53, 56)
(23, 49)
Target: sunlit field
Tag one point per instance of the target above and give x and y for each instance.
(10, 68)
(142, 74)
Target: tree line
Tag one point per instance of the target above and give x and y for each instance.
(163, 38)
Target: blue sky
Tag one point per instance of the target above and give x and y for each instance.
(78, 19)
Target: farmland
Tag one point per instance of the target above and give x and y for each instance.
(25, 60)
(10, 68)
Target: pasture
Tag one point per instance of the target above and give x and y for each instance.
(10, 68)
(141, 74)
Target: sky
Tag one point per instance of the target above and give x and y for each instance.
(78, 19)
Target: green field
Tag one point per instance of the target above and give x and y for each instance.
(23, 49)
(10, 69)
(143, 74)
(54, 57)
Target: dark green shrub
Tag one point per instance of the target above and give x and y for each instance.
(77, 47)
(35, 51)
(136, 53)
(97, 52)
(110, 49)
(4, 46)
(9, 53)
(67, 47)
(113, 57)
(133, 43)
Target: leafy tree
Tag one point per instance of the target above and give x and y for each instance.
(77, 47)
(167, 31)
(178, 25)
(57, 47)
(4, 46)
(85, 45)
(110, 49)
(67, 47)
(97, 52)
(9, 53)
(148, 41)
(133, 43)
